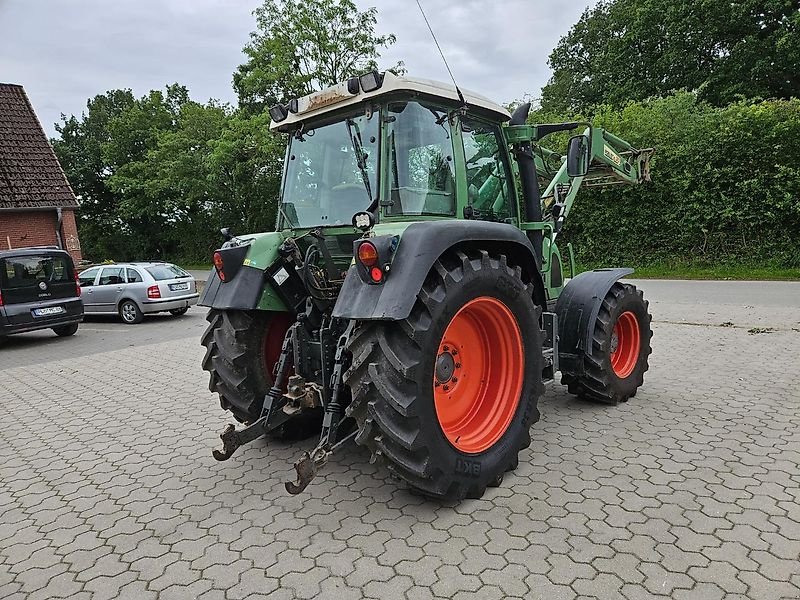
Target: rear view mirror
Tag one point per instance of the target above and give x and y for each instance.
(578, 156)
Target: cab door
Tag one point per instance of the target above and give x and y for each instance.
(107, 292)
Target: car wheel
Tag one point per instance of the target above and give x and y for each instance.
(66, 330)
(179, 312)
(130, 313)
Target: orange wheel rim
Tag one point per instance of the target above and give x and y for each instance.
(478, 375)
(625, 345)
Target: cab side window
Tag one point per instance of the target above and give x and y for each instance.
(111, 276)
(86, 279)
(488, 177)
(420, 160)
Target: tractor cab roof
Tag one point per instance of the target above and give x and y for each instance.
(354, 92)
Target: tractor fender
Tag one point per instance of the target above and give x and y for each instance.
(577, 309)
(421, 244)
(241, 293)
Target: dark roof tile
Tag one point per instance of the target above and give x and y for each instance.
(30, 175)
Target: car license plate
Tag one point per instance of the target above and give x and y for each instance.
(179, 287)
(50, 310)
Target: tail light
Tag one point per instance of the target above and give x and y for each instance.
(153, 292)
(219, 265)
(1, 298)
(368, 254)
(373, 256)
(77, 285)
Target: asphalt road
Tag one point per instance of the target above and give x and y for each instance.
(688, 491)
(98, 335)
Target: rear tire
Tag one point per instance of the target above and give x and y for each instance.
(620, 349)
(66, 330)
(242, 348)
(403, 415)
(179, 312)
(130, 313)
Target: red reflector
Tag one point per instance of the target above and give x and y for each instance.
(376, 274)
(219, 265)
(368, 254)
(153, 292)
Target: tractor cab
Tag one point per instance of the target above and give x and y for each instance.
(402, 149)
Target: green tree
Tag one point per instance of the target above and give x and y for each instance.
(622, 50)
(168, 193)
(245, 168)
(80, 152)
(144, 225)
(301, 46)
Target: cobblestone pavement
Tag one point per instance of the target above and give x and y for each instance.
(690, 490)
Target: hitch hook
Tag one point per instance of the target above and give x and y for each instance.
(307, 467)
(230, 443)
(309, 464)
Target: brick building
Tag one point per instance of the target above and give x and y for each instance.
(37, 204)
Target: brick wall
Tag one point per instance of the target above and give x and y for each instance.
(69, 232)
(38, 228)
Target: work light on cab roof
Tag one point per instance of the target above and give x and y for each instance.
(415, 298)
(368, 82)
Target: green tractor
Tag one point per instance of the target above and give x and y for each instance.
(413, 298)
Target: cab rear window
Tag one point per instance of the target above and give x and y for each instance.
(162, 272)
(28, 271)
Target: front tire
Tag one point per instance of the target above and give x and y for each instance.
(448, 395)
(620, 349)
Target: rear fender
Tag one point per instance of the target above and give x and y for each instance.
(577, 309)
(247, 288)
(421, 244)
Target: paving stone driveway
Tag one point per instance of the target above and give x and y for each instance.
(690, 490)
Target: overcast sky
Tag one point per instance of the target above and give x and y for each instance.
(66, 51)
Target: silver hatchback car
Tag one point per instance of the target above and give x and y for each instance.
(133, 290)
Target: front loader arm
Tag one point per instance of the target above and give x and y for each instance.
(612, 161)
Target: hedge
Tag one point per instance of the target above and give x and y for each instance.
(725, 187)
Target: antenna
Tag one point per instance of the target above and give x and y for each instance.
(447, 66)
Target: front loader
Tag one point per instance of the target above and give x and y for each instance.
(414, 298)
